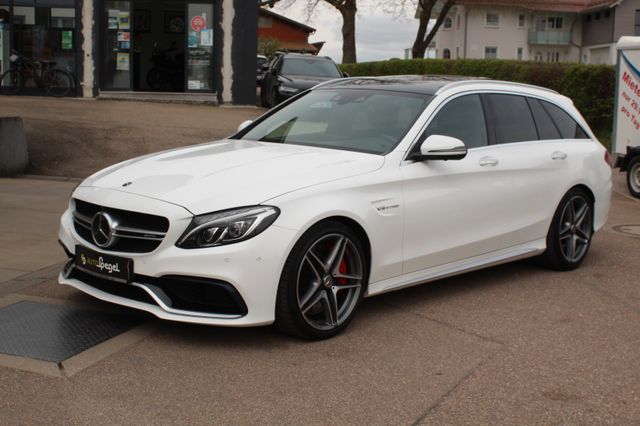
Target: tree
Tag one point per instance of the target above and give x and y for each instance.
(348, 10)
(268, 46)
(424, 9)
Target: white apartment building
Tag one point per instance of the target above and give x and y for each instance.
(543, 30)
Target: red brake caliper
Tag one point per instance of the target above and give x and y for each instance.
(343, 270)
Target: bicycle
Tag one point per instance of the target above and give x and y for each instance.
(53, 81)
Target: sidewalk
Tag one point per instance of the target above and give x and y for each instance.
(30, 210)
(77, 137)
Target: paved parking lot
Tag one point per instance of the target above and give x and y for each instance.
(513, 344)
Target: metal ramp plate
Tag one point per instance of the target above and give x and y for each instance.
(55, 333)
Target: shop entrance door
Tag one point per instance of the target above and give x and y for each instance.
(158, 46)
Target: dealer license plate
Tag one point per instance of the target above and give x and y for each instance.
(105, 266)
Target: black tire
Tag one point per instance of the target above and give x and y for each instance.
(305, 307)
(274, 98)
(570, 233)
(11, 83)
(58, 83)
(633, 176)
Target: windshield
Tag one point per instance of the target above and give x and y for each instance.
(310, 66)
(364, 120)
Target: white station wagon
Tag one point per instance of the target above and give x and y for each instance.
(351, 189)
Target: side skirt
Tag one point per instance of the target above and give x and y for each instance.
(498, 257)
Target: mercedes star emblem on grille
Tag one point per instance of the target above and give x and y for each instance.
(102, 227)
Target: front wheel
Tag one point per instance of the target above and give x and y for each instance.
(322, 283)
(58, 83)
(11, 82)
(633, 176)
(571, 230)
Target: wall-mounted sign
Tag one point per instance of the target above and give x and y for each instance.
(198, 23)
(67, 40)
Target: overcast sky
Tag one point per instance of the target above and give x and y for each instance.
(378, 35)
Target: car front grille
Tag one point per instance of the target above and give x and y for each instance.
(134, 233)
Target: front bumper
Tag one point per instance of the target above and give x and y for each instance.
(251, 268)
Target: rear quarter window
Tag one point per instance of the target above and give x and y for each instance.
(566, 125)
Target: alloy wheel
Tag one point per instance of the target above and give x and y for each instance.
(576, 228)
(329, 281)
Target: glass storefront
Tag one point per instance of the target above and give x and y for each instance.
(4, 38)
(200, 44)
(44, 30)
(157, 46)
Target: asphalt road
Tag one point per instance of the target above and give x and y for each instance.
(514, 344)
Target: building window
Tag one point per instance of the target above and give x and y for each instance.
(491, 52)
(607, 13)
(553, 56)
(636, 30)
(458, 21)
(519, 53)
(457, 52)
(588, 17)
(265, 22)
(492, 20)
(521, 21)
(555, 22)
(597, 15)
(538, 57)
(447, 23)
(446, 54)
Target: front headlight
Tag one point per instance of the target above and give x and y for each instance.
(227, 227)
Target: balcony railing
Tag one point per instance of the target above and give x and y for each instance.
(550, 37)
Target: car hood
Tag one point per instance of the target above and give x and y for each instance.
(304, 82)
(231, 173)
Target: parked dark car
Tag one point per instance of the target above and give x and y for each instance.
(290, 73)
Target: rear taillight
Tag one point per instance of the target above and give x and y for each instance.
(607, 158)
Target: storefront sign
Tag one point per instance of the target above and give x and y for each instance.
(67, 40)
(122, 62)
(206, 38)
(198, 23)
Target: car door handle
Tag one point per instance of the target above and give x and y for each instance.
(488, 161)
(558, 155)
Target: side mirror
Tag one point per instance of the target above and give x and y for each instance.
(439, 147)
(265, 67)
(345, 75)
(244, 125)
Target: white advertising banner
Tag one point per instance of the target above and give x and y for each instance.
(628, 106)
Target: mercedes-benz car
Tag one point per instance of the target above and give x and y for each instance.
(351, 189)
(291, 73)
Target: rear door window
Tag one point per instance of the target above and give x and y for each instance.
(566, 125)
(511, 119)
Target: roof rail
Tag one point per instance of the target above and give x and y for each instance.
(481, 80)
(341, 80)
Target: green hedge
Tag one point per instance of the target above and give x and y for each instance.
(590, 86)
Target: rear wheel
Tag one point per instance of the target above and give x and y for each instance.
(571, 230)
(633, 176)
(58, 83)
(322, 283)
(11, 82)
